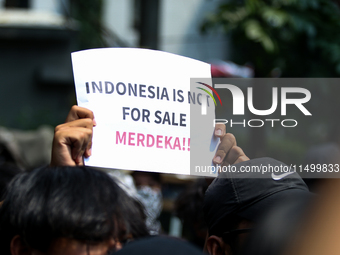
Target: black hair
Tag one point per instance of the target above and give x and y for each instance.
(226, 230)
(278, 228)
(188, 208)
(153, 175)
(73, 202)
(7, 173)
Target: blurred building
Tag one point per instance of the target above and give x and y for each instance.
(36, 85)
(37, 37)
(178, 26)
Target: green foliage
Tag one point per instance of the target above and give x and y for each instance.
(89, 14)
(301, 37)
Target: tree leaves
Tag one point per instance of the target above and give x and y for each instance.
(292, 35)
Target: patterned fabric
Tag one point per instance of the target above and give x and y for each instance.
(152, 201)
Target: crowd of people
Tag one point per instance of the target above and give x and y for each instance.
(68, 208)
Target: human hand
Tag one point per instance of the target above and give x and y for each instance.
(228, 152)
(73, 140)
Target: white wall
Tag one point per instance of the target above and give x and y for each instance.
(45, 5)
(180, 30)
(179, 27)
(52, 6)
(118, 17)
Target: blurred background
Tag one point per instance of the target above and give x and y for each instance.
(37, 37)
(240, 38)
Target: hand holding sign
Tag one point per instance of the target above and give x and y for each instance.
(228, 152)
(145, 103)
(73, 140)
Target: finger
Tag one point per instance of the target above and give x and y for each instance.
(235, 155)
(84, 123)
(61, 154)
(220, 130)
(69, 145)
(79, 142)
(78, 112)
(241, 159)
(227, 142)
(88, 151)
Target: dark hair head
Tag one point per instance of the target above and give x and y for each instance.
(156, 177)
(73, 202)
(7, 173)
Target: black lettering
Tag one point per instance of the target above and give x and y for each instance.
(166, 118)
(87, 88)
(179, 93)
(191, 97)
(182, 120)
(158, 117)
(107, 84)
(133, 116)
(150, 89)
(165, 94)
(142, 90)
(133, 90)
(99, 88)
(198, 98)
(146, 115)
(173, 120)
(124, 112)
(121, 84)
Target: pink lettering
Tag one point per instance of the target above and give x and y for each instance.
(131, 139)
(148, 143)
(140, 139)
(159, 141)
(167, 142)
(120, 139)
(177, 144)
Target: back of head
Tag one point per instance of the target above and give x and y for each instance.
(188, 208)
(279, 227)
(156, 245)
(73, 202)
(248, 192)
(7, 173)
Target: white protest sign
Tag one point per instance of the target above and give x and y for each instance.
(141, 101)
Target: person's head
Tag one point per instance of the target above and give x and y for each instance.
(149, 179)
(188, 208)
(7, 173)
(156, 245)
(149, 193)
(235, 200)
(61, 210)
(279, 229)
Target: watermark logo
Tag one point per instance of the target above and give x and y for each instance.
(240, 101)
(204, 103)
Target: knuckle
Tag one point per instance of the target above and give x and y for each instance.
(83, 135)
(89, 132)
(91, 114)
(74, 107)
(58, 128)
(221, 152)
(236, 149)
(230, 137)
(88, 122)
